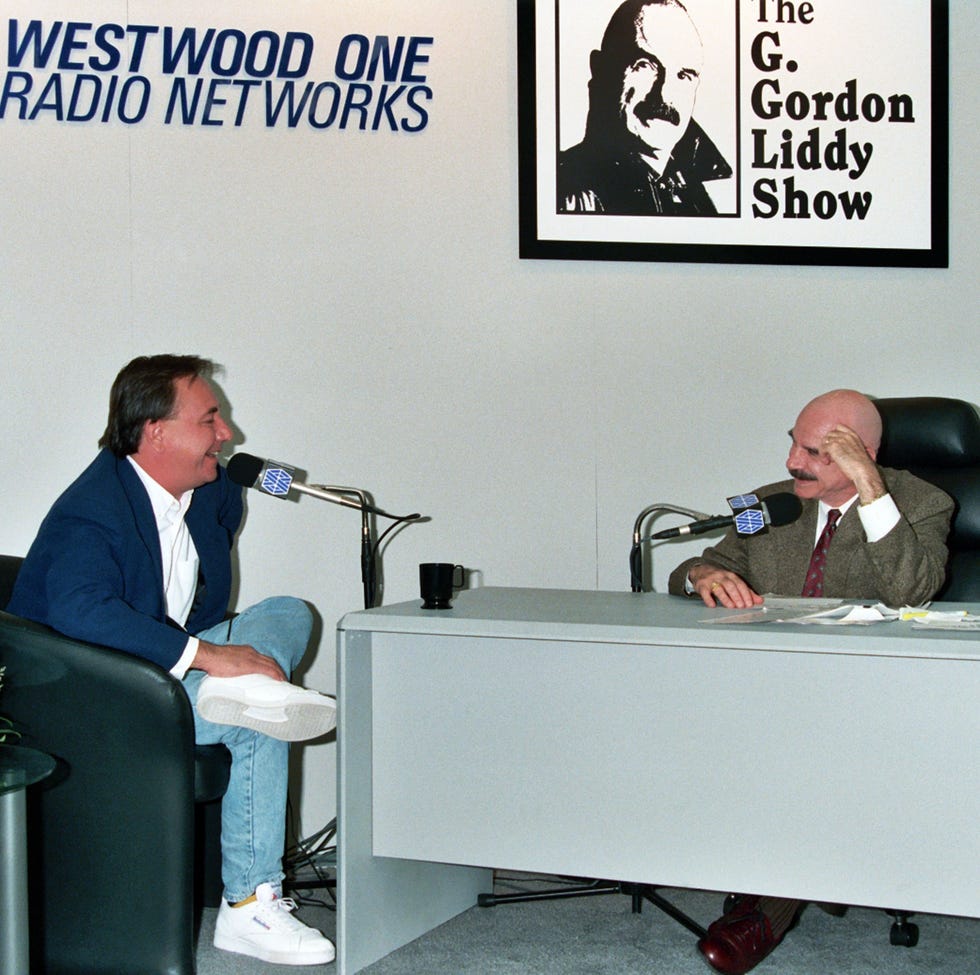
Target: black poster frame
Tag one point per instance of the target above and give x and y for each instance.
(535, 246)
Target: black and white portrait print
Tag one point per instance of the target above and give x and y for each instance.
(643, 150)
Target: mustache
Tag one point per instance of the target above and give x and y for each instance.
(801, 475)
(653, 108)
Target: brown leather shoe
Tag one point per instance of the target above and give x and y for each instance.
(740, 939)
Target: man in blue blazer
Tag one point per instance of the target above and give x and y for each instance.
(136, 555)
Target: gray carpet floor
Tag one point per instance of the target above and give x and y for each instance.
(601, 936)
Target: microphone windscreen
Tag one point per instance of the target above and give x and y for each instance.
(783, 508)
(244, 469)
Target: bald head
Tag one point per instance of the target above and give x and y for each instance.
(849, 408)
(835, 443)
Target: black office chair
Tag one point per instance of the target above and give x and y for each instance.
(938, 439)
(115, 834)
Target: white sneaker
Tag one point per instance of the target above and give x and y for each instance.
(274, 707)
(265, 928)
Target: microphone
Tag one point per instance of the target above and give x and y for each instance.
(272, 477)
(751, 516)
(277, 479)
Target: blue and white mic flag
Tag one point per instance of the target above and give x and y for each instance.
(750, 522)
(277, 479)
(750, 519)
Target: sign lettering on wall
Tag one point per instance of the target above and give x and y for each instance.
(132, 74)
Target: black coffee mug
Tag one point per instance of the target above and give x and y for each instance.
(437, 580)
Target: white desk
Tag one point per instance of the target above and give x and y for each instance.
(614, 735)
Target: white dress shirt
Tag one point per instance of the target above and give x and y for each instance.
(179, 557)
(877, 518)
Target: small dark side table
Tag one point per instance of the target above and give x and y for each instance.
(19, 768)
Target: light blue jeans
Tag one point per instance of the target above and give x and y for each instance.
(253, 810)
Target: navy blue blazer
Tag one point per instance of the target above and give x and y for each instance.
(94, 572)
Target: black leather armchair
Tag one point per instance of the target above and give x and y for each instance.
(112, 834)
(938, 439)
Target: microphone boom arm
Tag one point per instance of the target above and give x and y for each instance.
(334, 495)
(663, 506)
(339, 495)
(636, 562)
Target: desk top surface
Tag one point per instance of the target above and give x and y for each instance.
(651, 619)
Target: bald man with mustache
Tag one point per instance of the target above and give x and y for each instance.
(643, 153)
(887, 543)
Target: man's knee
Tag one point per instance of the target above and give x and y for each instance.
(289, 610)
(293, 610)
(288, 620)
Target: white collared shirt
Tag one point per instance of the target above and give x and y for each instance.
(179, 558)
(877, 518)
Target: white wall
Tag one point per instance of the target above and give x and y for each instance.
(364, 294)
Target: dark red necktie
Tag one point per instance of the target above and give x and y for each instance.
(814, 575)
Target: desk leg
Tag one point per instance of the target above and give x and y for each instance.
(382, 903)
(14, 932)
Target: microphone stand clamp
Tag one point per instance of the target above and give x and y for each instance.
(636, 558)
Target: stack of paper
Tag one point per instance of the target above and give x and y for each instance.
(953, 619)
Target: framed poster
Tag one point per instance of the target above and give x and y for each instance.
(735, 131)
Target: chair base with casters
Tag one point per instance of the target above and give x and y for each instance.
(638, 893)
(111, 834)
(904, 933)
